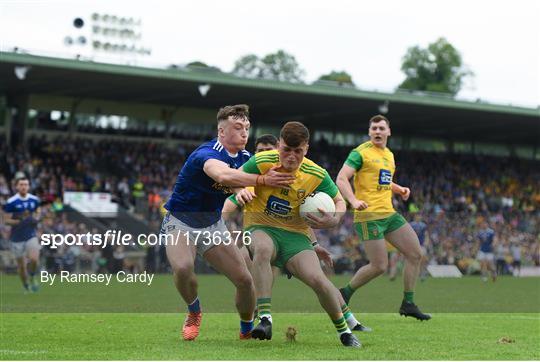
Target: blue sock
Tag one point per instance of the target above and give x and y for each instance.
(246, 327)
(194, 307)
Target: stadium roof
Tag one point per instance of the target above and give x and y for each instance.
(320, 106)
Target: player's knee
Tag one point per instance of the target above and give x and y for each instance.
(414, 256)
(182, 268)
(319, 283)
(243, 281)
(379, 267)
(262, 254)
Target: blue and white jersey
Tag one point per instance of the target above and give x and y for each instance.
(197, 199)
(17, 205)
(420, 229)
(486, 237)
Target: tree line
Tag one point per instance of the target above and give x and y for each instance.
(437, 68)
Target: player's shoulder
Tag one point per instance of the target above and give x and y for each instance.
(245, 153)
(271, 156)
(212, 145)
(33, 197)
(311, 168)
(13, 199)
(366, 146)
(265, 160)
(388, 151)
(212, 148)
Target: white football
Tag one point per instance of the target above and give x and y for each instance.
(316, 201)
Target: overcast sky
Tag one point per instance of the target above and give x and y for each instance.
(499, 40)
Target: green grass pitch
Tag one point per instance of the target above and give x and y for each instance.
(118, 322)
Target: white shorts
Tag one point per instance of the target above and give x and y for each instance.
(481, 256)
(203, 238)
(20, 248)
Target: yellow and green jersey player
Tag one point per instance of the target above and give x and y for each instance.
(281, 237)
(266, 142)
(372, 165)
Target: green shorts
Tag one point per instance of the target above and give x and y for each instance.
(287, 243)
(377, 229)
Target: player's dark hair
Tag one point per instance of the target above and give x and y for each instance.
(294, 134)
(267, 139)
(236, 111)
(378, 118)
(23, 178)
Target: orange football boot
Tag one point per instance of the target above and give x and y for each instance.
(191, 327)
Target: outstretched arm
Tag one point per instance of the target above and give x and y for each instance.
(220, 172)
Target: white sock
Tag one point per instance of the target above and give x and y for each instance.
(351, 321)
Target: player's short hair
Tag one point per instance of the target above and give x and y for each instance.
(19, 179)
(378, 118)
(294, 134)
(236, 111)
(267, 139)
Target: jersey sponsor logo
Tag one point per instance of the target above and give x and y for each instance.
(385, 177)
(278, 206)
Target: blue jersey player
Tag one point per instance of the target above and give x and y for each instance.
(21, 212)
(485, 255)
(194, 216)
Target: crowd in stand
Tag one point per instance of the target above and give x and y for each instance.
(452, 192)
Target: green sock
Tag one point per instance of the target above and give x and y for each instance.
(348, 291)
(341, 326)
(346, 311)
(264, 306)
(408, 297)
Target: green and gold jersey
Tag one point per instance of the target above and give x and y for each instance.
(279, 207)
(375, 169)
